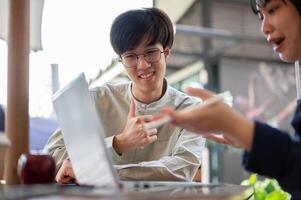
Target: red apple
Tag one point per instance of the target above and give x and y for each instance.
(36, 169)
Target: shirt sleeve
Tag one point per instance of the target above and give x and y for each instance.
(180, 166)
(55, 147)
(275, 154)
(115, 156)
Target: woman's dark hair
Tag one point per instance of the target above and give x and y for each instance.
(255, 4)
(2, 118)
(129, 28)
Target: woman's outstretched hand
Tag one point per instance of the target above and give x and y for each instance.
(235, 129)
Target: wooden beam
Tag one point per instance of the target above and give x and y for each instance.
(17, 119)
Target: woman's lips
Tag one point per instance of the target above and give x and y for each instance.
(277, 44)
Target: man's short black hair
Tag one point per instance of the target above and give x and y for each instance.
(129, 28)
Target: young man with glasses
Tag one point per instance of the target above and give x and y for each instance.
(142, 39)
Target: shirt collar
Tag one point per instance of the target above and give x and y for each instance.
(161, 101)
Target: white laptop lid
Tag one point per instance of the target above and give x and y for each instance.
(81, 129)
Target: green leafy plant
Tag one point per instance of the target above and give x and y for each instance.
(267, 189)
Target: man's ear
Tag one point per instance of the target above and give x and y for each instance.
(167, 52)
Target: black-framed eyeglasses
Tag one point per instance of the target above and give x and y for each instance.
(131, 59)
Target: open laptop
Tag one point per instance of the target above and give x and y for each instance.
(84, 140)
(83, 134)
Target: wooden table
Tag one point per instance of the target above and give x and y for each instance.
(57, 192)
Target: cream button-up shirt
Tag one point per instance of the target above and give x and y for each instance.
(175, 156)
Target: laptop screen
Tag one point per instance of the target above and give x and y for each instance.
(81, 129)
